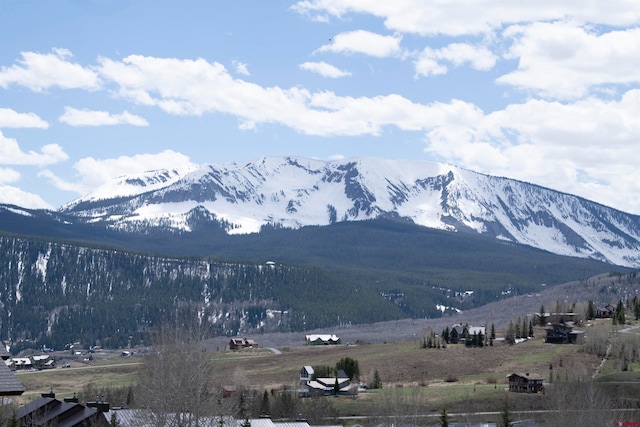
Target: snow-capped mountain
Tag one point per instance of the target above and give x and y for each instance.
(294, 192)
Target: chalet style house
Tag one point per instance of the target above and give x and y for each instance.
(525, 383)
(563, 333)
(460, 333)
(240, 343)
(322, 340)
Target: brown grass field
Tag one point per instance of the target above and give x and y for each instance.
(455, 377)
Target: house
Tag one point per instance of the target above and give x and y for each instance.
(21, 363)
(322, 339)
(459, 333)
(48, 411)
(43, 361)
(306, 373)
(525, 383)
(240, 343)
(605, 312)
(563, 333)
(340, 385)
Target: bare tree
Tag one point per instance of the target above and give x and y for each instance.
(401, 406)
(175, 381)
(581, 403)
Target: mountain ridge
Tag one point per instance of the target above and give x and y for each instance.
(293, 192)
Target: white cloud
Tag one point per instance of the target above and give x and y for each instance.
(580, 59)
(430, 61)
(40, 72)
(92, 173)
(12, 119)
(462, 17)
(15, 196)
(196, 87)
(11, 154)
(324, 69)
(241, 68)
(9, 175)
(585, 148)
(364, 42)
(75, 117)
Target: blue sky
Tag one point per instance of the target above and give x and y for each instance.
(546, 92)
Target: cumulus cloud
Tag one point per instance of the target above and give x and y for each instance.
(39, 72)
(12, 154)
(324, 69)
(569, 147)
(75, 117)
(432, 61)
(15, 196)
(196, 87)
(9, 175)
(364, 42)
(580, 58)
(93, 173)
(12, 119)
(461, 17)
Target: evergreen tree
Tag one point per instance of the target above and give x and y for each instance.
(493, 331)
(444, 418)
(350, 367)
(505, 415)
(531, 328)
(620, 316)
(377, 382)
(591, 311)
(543, 318)
(510, 336)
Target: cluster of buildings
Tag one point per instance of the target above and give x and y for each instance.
(41, 361)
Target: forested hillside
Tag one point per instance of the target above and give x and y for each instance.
(54, 294)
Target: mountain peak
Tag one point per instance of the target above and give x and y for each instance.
(297, 191)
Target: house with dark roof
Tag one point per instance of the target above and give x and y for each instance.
(49, 411)
(525, 383)
(563, 333)
(240, 343)
(9, 384)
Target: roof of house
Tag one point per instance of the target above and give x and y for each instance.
(527, 375)
(328, 383)
(320, 337)
(9, 384)
(141, 418)
(50, 411)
